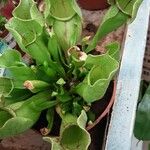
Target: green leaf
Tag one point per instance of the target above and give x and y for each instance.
(42, 74)
(20, 75)
(4, 117)
(36, 85)
(6, 86)
(102, 69)
(64, 22)
(65, 97)
(36, 104)
(29, 36)
(16, 69)
(61, 81)
(17, 95)
(77, 108)
(24, 31)
(54, 48)
(50, 119)
(23, 115)
(65, 34)
(27, 28)
(73, 135)
(81, 139)
(65, 8)
(129, 7)
(27, 10)
(142, 121)
(14, 126)
(11, 58)
(113, 19)
(54, 143)
(113, 50)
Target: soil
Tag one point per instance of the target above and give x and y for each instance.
(30, 140)
(98, 135)
(92, 19)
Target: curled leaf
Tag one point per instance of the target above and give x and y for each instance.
(65, 21)
(6, 86)
(73, 135)
(102, 69)
(113, 19)
(21, 116)
(129, 7)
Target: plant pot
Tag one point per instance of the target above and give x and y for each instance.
(98, 130)
(106, 104)
(7, 8)
(93, 4)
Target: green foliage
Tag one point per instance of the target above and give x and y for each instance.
(20, 116)
(73, 134)
(2, 22)
(63, 77)
(117, 15)
(142, 122)
(102, 69)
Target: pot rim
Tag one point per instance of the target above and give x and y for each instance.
(107, 109)
(93, 5)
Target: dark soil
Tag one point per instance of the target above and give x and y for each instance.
(30, 140)
(98, 135)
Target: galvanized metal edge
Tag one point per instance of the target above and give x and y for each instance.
(123, 116)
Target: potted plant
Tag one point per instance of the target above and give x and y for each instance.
(65, 79)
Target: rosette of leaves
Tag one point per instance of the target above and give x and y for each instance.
(62, 78)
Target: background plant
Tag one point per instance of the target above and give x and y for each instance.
(142, 121)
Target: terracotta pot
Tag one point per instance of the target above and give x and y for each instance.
(93, 4)
(105, 105)
(6, 9)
